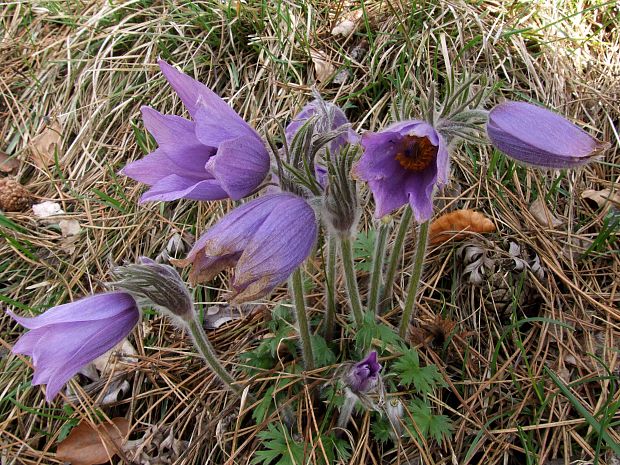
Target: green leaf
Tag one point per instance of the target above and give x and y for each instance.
(363, 248)
(371, 329)
(323, 355)
(381, 430)
(277, 442)
(438, 427)
(424, 379)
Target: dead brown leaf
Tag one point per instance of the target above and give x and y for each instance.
(542, 215)
(46, 144)
(602, 199)
(88, 445)
(454, 225)
(323, 68)
(348, 23)
(8, 164)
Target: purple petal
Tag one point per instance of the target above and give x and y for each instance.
(378, 159)
(222, 244)
(240, 166)
(420, 187)
(213, 128)
(534, 135)
(95, 307)
(277, 248)
(174, 187)
(158, 165)
(194, 94)
(67, 347)
(176, 136)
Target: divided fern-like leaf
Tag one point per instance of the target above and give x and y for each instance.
(424, 379)
(277, 442)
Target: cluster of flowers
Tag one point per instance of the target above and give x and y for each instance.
(217, 155)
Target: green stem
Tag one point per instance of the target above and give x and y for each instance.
(208, 354)
(330, 291)
(403, 229)
(377, 268)
(299, 305)
(414, 280)
(346, 249)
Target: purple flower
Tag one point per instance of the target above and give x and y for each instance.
(265, 239)
(65, 338)
(539, 137)
(328, 117)
(401, 164)
(216, 155)
(363, 376)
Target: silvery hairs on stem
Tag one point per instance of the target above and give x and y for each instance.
(156, 285)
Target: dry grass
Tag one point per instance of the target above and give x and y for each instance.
(91, 65)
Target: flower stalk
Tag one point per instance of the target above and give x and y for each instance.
(414, 280)
(377, 267)
(330, 288)
(206, 350)
(299, 305)
(403, 229)
(346, 249)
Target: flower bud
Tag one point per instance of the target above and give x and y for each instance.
(156, 285)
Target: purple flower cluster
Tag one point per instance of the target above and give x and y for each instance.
(216, 155)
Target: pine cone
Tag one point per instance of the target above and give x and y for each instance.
(498, 277)
(13, 196)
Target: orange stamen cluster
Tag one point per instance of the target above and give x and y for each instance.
(416, 153)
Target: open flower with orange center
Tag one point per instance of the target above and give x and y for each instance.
(401, 164)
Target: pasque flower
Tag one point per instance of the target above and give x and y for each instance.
(265, 240)
(539, 137)
(401, 164)
(158, 286)
(363, 376)
(215, 155)
(327, 117)
(65, 338)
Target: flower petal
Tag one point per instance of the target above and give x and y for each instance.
(174, 187)
(91, 308)
(278, 247)
(194, 94)
(534, 135)
(213, 128)
(240, 166)
(378, 160)
(177, 137)
(67, 347)
(419, 188)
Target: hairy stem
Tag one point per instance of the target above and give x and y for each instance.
(346, 248)
(330, 291)
(414, 280)
(210, 357)
(299, 304)
(396, 252)
(377, 268)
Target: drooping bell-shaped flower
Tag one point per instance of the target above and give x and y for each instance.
(403, 163)
(539, 137)
(363, 376)
(265, 240)
(65, 338)
(215, 155)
